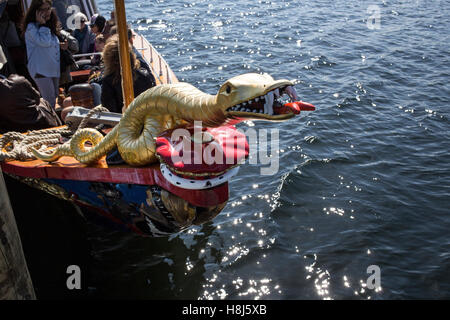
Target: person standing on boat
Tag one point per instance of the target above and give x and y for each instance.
(43, 48)
(111, 96)
(110, 23)
(84, 34)
(98, 26)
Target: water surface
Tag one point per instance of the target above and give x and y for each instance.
(364, 180)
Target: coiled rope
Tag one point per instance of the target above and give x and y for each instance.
(17, 146)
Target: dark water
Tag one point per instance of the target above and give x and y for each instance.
(364, 180)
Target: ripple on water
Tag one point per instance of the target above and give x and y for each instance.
(362, 181)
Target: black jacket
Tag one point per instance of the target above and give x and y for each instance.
(112, 98)
(22, 108)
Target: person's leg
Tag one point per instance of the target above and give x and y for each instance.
(56, 87)
(47, 89)
(97, 92)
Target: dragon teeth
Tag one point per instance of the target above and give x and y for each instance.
(290, 90)
(266, 109)
(271, 98)
(268, 106)
(268, 101)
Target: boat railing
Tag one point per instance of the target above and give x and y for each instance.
(82, 55)
(159, 66)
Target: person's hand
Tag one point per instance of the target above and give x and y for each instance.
(40, 17)
(64, 45)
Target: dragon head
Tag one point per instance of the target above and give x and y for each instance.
(257, 96)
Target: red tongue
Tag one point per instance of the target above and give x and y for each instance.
(294, 107)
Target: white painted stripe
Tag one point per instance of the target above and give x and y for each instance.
(197, 184)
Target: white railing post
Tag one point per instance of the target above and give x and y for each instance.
(167, 72)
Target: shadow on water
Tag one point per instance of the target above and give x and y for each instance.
(131, 266)
(113, 264)
(53, 236)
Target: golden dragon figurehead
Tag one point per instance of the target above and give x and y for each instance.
(146, 134)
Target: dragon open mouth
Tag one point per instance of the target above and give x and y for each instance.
(277, 104)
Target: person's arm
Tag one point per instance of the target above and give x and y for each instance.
(73, 44)
(91, 36)
(144, 81)
(41, 36)
(149, 79)
(108, 97)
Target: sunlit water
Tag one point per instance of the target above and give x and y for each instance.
(364, 180)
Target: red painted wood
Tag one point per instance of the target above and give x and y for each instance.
(67, 168)
(80, 76)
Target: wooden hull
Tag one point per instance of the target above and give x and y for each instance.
(129, 197)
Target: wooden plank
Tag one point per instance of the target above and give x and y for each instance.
(124, 54)
(161, 69)
(15, 281)
(117, 174)
(80, 76)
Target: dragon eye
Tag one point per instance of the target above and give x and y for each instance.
(228, 89)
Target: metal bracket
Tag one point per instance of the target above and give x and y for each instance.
(79, 113)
